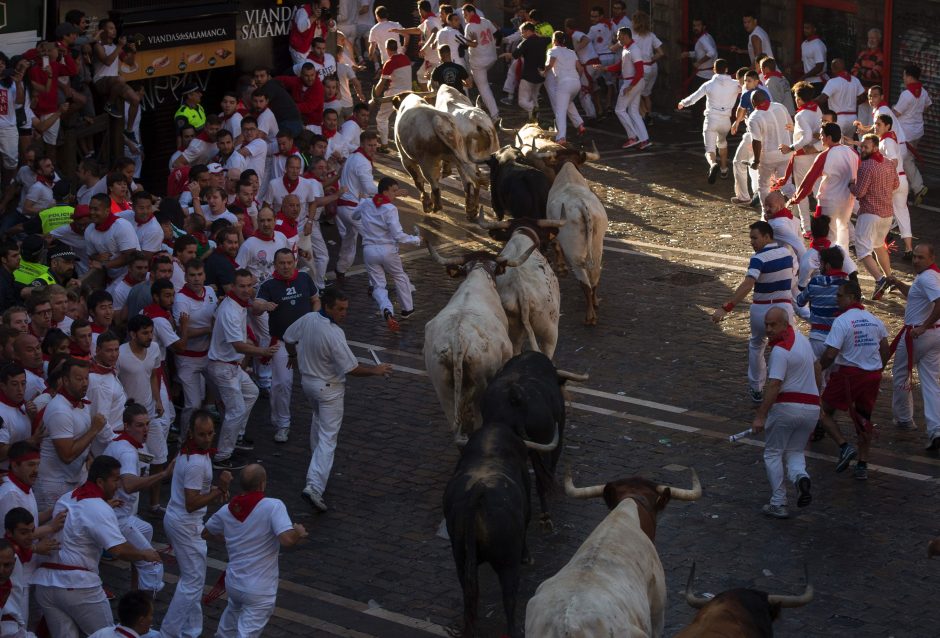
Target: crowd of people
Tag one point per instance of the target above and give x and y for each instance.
(135, 327)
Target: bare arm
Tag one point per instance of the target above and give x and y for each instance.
(70, 449)
(740, 293)
(126, 551)
(292, 536)
(771, 390)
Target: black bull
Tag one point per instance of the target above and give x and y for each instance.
(515, 187)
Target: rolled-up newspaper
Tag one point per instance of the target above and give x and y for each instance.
(375, 357)
(740, 435)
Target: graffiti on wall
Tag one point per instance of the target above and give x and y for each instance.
(168, 88)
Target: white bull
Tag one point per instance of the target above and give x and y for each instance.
(425, 137)
(614, 584)
(468, 341)
(476, 126)
(581, 240)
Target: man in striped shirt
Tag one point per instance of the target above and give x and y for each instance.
(820, 294)
(769, 275)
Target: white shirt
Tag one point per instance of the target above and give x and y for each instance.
(191, 472)
(129, 458)
(257, 255)
(12, 496)
(601, 38)
(201, 315)
(149, 234)
(235, 160)
(15, 426)
(841, 167)
(452, 38)
(257, 153)
(920, 298)
(484, 54)
(305, 192)
(646, 44)
(62, 421)
(90, 527)
(323, 353)
(8, 106)
(813, 52)
(41, 195)
(134, 374)
(706, 52)
(766, 49)
(233, 123)
(200, 150)
(279, 164)
(721, 94)
(380, 225)
(809, 264)
(108, 399)
(427, 27)
(345, 73)
(894, 152)
(164, 335)
(119, 290)
(357, 178)
(382, 33)
(35, 384)
(106, 71)
(806, 123)
(252, 545)
(857, 335)
(326, 69)
(794, 367)
(231, 326)
(843, 94)
(770, 129)
(587, 52)
(566, 63)
(85, 193)
(118, 238)
(267, 123)
(346, 140)
(397, 72)
(910, 112)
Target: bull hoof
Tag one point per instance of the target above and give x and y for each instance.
(546, 524)
(590, 320)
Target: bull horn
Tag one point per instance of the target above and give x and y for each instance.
(485, 225)
(794, 601)
(550, 223)
(541, 447)
(695, 602)
(684, 495)
(444, 261)
(593, 155)
(479, 103)
(571, 376)
(499, 124)
(514, 263)
(581, 492)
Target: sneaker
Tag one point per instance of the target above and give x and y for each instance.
(724, 173)
(314, 498)
(934, 444)
(861, 472)
(630, 143)
(757, 396)
(507, 100)
(244, 443)
(390, 321)
(407, 313)
(881, 287)
(845, 457)
(802, 486)
(740, 202)
(908, 255)
(227, 464)
(281, 435)
(112, 110)
(775, 511)
(642, 146)
(713, 173)
(919, 198)
(905, 426)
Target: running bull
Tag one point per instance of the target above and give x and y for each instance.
(743, 613)
(539, 148)
(614, 584)
(516, 188)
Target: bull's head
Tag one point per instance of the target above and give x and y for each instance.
(494, 265)
(545, 229)
(650, 497)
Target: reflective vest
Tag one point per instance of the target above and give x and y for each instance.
(54, 217)
(28, 272)
(195, 116)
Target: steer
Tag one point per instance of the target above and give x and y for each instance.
(580, 242)
(527, 395)
(468, 340)
(425, 137)
(614, 584)
(515, 187)
(476, 126)
(540, 149)
(743, 613)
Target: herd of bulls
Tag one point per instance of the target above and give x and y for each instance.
(488, 354)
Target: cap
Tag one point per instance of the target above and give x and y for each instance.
(62, 252)
(32, 244)
(65, 29)
(81, 211)
(215, 168)
(190, 88)
(32, 55)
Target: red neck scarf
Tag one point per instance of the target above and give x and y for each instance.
(473, 19)
(130, 280)
(820, 243)
(809, 106)
(6, 401)
(856, 306)
(933, 267)
(363, 153)
(293, 151)
(76, 403)
(785, 340)
(881, 104)
(262, 237)
(97, 329)
(204, 137)
(97, 368)
(318, 60)
(88, 490)
(25, 554)
(242, 505)
(39, 372)
(231, 295)
(107, 223)
(153, 311)
(763, 106)
(189, 448)
(915, 88)
(289, 185)
(125, 632)
(286, 280)
(889, 136)
(45, 179)
(186, 291)
(837, 273)
(143, 223)
(287, 221)
(877, 156)
(328, 134)
(379, 199)
(845, 76)
(124, 436)
(75, 352)
(772, 74)
(783, 212)
(26, 489)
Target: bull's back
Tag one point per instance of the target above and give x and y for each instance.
(582, 236)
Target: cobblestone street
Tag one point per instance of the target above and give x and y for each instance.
(666, 388)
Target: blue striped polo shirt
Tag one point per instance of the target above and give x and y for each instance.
(772, 268)
(820, 294)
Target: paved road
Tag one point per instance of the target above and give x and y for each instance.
(666, 388)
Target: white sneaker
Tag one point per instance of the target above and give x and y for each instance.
(281, 435)
(314, 498)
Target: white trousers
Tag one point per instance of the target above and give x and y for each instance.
(901, 212)
(566, 90)
(628, 112)
(381, 121)
(847, 124)
(184, 616)
(282, 385)
(914, 177)
(349, 236)
(513, 76)
(382, 260)
(801, 166)
(715, 129)
(767, 175)
(550, 90)
(756, 364)
(246, 614)
(71, 613)
(191, 372)
(139, 533)
(650, 71)
(841, 230)
(160, 427)
(48, 492)
(296, 57)
(742, 169)
(321, 256)
(481, 79)
(529, 95)
(238, 394)
(586, 98)
(326, 399)
(927, 364)
(789, 426)
(259, 325)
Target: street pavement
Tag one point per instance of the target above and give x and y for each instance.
(666, 388)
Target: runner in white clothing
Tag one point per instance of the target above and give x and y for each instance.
(758, 42)
(380, 34)
(842, 94)
(721, 93)
(563, 64)
(396, 79)
(769, 126)
(804, 146)
(257, 253)
(359, 183)
(813, 56)
(630, 71)
(480, 35)
(199, 303)
(105, 391)
(428, 28)
(648, 48)
(912, 103)
(895, 151)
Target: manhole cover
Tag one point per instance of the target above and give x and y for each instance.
(685, 278)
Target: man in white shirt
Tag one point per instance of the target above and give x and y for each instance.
(229, 157)
(257, 253)
(481, 43)
(396, 79)
(16, 422)
(359, 183)
(139, 369)
(253, 148)
(380, 34)
(324, 359)
(842, 94)
(758, 42)
(135, 615)
(227, 348)
(813, 55)
(323, 62)
(105, 391)
(721, 93)
(110, 240)
(912, 103)
(804, 146)
(148, 229)
(769, 126)
(191, 492)
(893, 148)
(858, 346)
(254, 528)
(704, 54)
(68, 587)
(199, 303)
(451, 35)
(202, 148)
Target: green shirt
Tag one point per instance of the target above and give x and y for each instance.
(28, 272)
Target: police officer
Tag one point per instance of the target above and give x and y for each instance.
(32, 272)
(62, 264)
(51, 218)
(191, 111)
